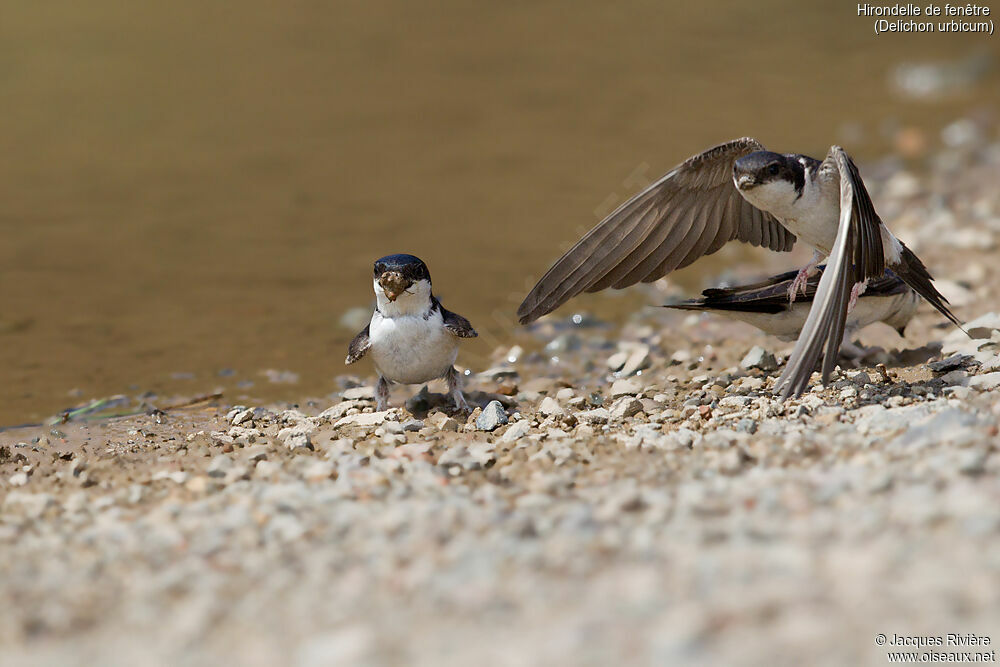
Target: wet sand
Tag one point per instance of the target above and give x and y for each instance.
(189, 190)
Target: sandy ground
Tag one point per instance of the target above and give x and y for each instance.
(634, 496)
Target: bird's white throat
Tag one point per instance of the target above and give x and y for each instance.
(416, 300)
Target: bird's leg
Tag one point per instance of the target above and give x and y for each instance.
(856, 291)
(455, 389)
(802, 279)
(381, 394)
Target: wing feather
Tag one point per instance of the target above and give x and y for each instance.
(857, 255)
(691, 211)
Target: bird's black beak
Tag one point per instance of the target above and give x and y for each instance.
(393, 284)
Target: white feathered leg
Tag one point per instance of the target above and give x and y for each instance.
(381, 394)
(455, 389)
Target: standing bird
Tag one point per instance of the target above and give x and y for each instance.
(412, 338)
(766, 306)
(737, 190)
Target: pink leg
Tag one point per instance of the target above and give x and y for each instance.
(802, 279)
(856, 291)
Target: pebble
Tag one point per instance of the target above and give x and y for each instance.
(220, 465)
(298, 436)
(550, 407)
(241, 417)
(985, 382)
(493, 416)
(369, 419)
(759, 358)
(624, 407)
(595, 416)
(443, 422)
(950, 363)
(366, 393)
(638, 359)
(625, 387)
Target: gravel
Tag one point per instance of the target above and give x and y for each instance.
(642, 499)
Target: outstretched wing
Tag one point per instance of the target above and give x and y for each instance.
(358, 347)
(455, 323)
(856, 256)
(690, 212)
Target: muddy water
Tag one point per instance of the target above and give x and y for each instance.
(192, 187)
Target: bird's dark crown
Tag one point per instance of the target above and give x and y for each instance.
(409, 267)
(762, 167)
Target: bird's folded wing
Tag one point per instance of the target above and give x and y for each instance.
(690, 212)
(767, 296)
(856, 256)
(456, 324)
(358, 347)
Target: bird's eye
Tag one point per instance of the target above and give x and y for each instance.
(773, 170)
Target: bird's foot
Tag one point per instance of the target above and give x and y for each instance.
(382, 394)
(856, 292)
(798, 285)
(801, 281)
(454, 381)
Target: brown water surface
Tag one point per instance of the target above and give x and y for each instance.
(187, 187)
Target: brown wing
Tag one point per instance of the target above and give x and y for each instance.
(358, 347)
(455, 323)
(690, 212)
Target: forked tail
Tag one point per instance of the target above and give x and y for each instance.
(915, 274)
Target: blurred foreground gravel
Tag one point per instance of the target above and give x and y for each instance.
(640, 500)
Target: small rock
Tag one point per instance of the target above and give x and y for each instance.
(595, 416)
(18, 479)
(625, 387)
(318, 471)
(359, 394)
(637, 361)
(176, 476)
(413, 425)
(565, 394)
(516, 431)
(364, 419)
(443, 422)
(219, 466)
(759, 358)
(550, 407)
(298, 436)
(335, 412)
(617, 360)
(493, 416)
(256, 453)
(958, 377)
(244, 436)
(34, 504)
(242, 416)
(986, 381)
(267, 469)
(950, 363)
(625, 407)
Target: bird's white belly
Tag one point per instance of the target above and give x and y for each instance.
(410, 349)
(786, 325)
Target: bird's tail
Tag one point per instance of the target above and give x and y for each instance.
(915, 274)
